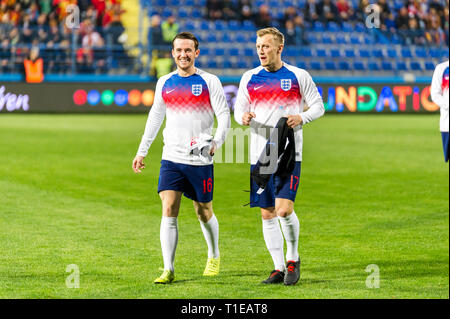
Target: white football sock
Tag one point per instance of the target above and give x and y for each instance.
(210, 230)
(274, 242)
(291, 230)
(169, 239)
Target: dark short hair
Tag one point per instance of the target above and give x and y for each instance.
(186, 36)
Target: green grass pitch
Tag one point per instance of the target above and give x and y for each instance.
(374, 190)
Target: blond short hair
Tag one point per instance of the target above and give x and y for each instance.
(277, 35)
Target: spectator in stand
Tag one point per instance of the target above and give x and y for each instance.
(42, 29)
(214, 9)
(229, 10)
(45, 6)
(413, 35)
(245, 10)
(5, 56)
(27, 30)
(34, 67)
(289, 14)
(290, 36)
(15, 16)
(155, 33)
(402, 20)
(345, 10)
(311, 11)
(90, 14)
(169, 29)
(384, 9)
(263, 19)
(300, 31)
(328, 11)
(434, 34)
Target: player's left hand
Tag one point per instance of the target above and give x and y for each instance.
(213, 148)
(294, 120)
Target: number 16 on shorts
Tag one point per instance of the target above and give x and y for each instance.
(207, 185)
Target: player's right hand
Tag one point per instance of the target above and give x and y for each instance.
(247, 117)
(138, 164)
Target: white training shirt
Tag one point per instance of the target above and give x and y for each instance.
(272, 95)
(439, 92)
(189, 104)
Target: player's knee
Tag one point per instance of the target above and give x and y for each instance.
(284, 211)
(170, 211)
(268, 213)
(204, 211)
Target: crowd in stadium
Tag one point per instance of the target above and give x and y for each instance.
(99, 40)
(27, 24)
(417, 21)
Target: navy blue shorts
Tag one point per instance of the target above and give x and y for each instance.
(276, 188)
(445, 145)
(195, 182)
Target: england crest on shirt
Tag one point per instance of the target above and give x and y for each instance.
(197, 89)
(286, 84)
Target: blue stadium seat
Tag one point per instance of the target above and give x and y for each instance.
(242, 64)
(350, 54)
(241, 37)
(225, 37)
(333, 27)
(392, 53)
(326, 39)
(344, 65)
(315, 65)
(204, 25)
(290, 51)
(335, 53)
(212, 64)
(219, 52)
(183, 13)
(347, 27)
(212, 38)
(249, 52)
(374, 66)
(387, 66)
(421, 53)
(234, 25)
(377, 53)
(233, 52)
(435, 53)
(306, 52)
(429, 66)
(196, 13)
(359, 66)
(205, 51)
(321, 53)
(220, 25)
(330, 65)
(227, 64)
(416, 66)
(406, 53)
(401, 66)
(363, 53)
(248, 25)
(318, 26)
(341, 39)
(301, 65)
(190, 25)
(355, 39)
(360, 27)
